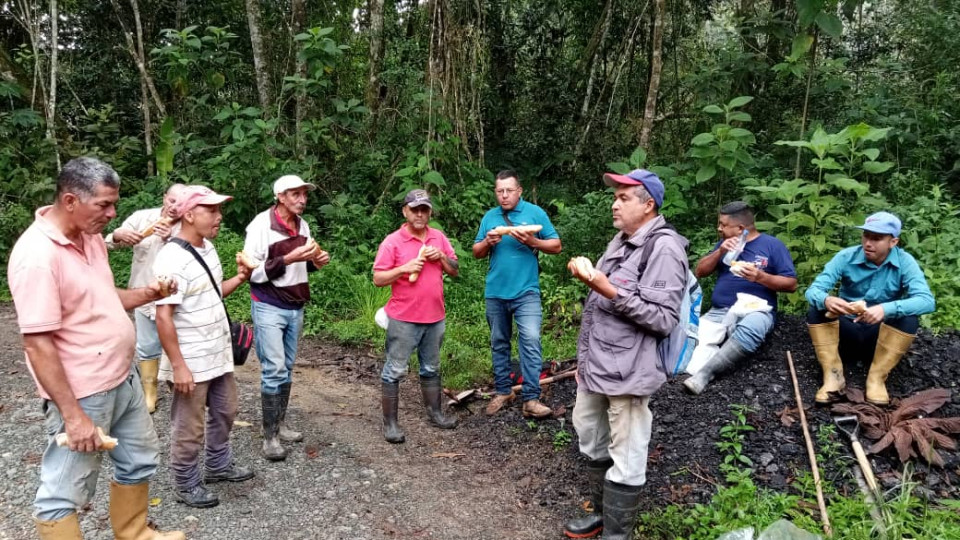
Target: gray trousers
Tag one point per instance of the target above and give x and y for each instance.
(617, 428)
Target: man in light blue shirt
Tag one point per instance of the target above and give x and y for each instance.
(882, 294)
(513, 290)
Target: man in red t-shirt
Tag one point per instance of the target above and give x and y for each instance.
(412, 261)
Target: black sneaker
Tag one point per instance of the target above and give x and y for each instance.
(233, 473)
(198, 497)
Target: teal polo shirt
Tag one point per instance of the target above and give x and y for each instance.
(513, 266)
(898, 283)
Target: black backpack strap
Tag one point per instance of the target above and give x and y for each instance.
(186, 245)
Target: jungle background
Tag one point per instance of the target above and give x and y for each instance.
(818, 112)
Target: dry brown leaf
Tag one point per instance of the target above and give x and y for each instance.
(788, 416)
(241, 423)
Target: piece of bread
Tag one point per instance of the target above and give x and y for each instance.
(507, 229)
(106, 442)
(858, 308)
(166, 283)
(583, 267)
(416, 275)
(150, 228)
(247, 261)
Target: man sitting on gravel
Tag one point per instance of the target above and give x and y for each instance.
(195, 334)
(768, 270)
(160, 224)
(412, 261)
(79, 342)
(882, 294)
(628, 311)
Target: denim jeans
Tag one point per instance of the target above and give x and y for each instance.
(525, 310)
(402, 339)
(202, 420)
(750, 331)
(68, 479)
(276, 334)
(148, 342)
(858, 341)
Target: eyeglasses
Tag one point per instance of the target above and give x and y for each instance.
(506, 191)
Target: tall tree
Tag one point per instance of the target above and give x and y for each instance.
(298, 16)
(656, 63)
(51, 108)
(376, 54)
(264, 88)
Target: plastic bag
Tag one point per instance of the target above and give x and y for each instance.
(779, 530)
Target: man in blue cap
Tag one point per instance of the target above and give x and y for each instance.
(882, 294)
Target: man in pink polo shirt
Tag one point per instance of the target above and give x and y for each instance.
(412, 261)
(79, 344)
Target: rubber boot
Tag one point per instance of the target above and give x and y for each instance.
(826, 343)
(591, 525)
(66, 528)
(272, 449)
(432, 396)
(390, 401)
(726, 359)
(621, 503)
(892, 344)
(148, 377)
(128, 514)
(286, 435)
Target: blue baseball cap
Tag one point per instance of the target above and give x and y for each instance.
(638, 177)
(882, 223)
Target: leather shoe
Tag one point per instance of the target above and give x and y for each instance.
(498, 402)
(534, 409)
(198, 497)
(233, 473)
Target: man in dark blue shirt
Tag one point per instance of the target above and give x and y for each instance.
(763, 269)
(892, 293)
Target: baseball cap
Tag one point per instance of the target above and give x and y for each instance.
(638, 177)
(882, 223)
(192, 196)
(290, 181)
(417, 197)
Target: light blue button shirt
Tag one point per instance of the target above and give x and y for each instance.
(897, 284)
(513, 266)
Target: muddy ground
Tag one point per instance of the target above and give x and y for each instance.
(501, 477)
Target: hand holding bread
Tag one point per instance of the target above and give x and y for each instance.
(163, 222)
(106, 442)
(507, 229)
(245, 260)
(582, 268)
(856, 308)
(166, 285)
(420, 257)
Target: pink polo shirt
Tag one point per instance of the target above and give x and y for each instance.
(421, 301)
(68, 291)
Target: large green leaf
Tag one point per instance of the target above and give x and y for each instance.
(434, 178)
(877, 167)
(739, 116)
(739, 101)
(638, 157)
(705, 173)
(703, 139)
(619, 167)
(713, 109)
(830, 24)
(801, 44)
(847, 184)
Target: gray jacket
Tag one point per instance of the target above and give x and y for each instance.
(617, 347)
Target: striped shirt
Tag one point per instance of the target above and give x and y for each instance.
(202, 327)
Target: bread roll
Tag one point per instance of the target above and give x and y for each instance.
(583, 267)
(858, 308)
(247, 260)
(106, 442)
(507, 229)
(166, 283)
(150, 228)
(416, 275)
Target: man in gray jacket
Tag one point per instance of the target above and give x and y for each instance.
(633, 303)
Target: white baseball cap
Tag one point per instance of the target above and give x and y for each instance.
(290, 181)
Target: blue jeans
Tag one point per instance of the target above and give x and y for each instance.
(68, 479)
(750, 331)
(276, 334)
(148, 342)
(402, 339)
(525, 310)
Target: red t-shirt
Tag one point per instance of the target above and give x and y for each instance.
(421, 301)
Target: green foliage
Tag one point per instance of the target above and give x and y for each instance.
(736, 465)
(725, 149)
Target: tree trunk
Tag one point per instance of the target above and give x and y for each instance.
(264, 90)
(806, 98)
(376, 54)
(52, 98)
(147, 125)
(656, 63)
(298, 14)
(608, 14)
(141, 58)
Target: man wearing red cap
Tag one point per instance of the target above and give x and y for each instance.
(632, 305)
(195, 334)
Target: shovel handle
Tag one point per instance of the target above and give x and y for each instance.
(864, 464)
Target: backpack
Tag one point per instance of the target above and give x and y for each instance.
(676, 348)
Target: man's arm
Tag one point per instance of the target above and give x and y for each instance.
(46, 364)
(919, 300)
(771, 281)
(818, 291)
(134, 298)
(167, 332)
(382, 278)
(709, 262)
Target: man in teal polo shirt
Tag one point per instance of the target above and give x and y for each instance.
(891, 284)
(513, 290)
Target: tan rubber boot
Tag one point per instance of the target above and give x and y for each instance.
(826, 343)
(892, 344)
(67, 528)
(148, 376)
(128, 514)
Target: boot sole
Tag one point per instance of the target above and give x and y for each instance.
(395, 441)
(210, 504)
(592, 534)
(214, 480)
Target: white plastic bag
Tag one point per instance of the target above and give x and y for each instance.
(381, 317)
(712, 335)
(745, 304)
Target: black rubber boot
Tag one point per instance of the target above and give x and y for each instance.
(727, 359)
(390, 400)
(432, 393)
(272, 449)
(286, 434)
(591, 525)
(621, 503)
